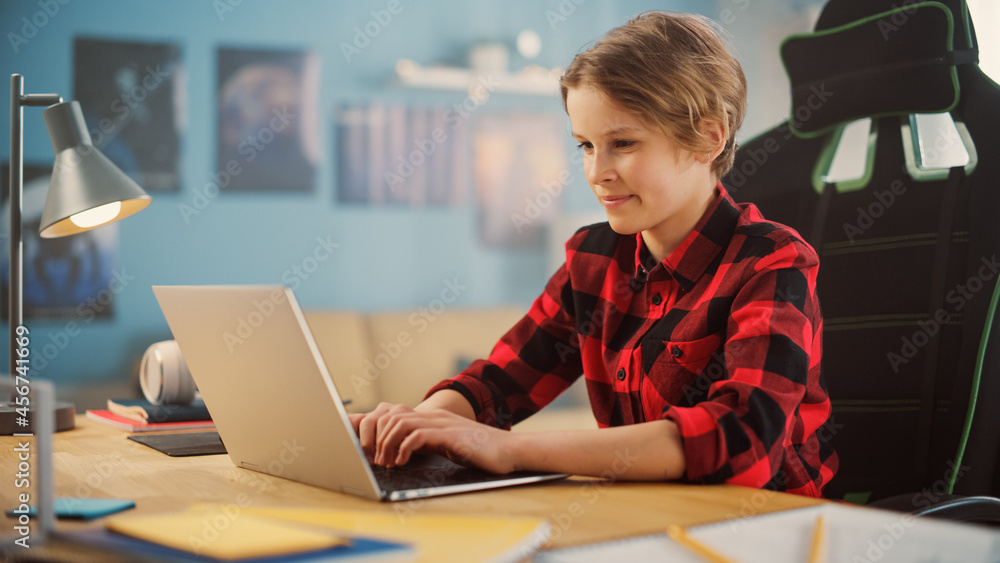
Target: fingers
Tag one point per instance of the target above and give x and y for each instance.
(356, 419)
(397, 425)
(390, 435)
(421, 439)
(367, 425)
(468, 444)
(450, 442)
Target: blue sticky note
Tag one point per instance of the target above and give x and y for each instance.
(84, 508)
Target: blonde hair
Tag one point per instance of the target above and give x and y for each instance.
(674, 72)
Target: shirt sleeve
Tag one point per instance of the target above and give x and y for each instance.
(746, 430)
(531, 365)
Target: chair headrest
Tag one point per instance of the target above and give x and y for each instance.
(896, 62)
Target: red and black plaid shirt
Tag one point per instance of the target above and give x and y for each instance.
(723, 337)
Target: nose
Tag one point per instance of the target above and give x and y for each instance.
(599, 168)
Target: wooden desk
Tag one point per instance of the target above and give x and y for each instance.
(96, 461)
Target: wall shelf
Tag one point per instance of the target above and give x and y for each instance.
(532, 80)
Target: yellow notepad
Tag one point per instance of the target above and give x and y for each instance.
(213, 532)
(436, 537)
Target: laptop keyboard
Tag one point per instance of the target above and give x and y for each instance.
(425, 471)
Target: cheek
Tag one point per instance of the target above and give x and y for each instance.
(588, 164)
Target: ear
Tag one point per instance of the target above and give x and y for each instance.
(715, 131)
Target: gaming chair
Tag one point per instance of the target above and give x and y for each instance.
(909, 256)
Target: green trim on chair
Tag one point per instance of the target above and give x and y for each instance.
(974, 391)
(859, 499)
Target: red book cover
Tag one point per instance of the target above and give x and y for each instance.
(111, 419)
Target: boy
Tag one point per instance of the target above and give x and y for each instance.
(694, 320)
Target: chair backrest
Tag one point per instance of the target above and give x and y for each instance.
(909, 258)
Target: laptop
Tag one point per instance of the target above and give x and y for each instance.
(275, 406)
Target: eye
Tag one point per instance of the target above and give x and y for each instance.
(586, 146)
(624, 144)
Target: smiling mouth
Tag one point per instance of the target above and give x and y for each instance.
(614, 201)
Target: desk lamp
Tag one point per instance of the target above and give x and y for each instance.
(86, 191)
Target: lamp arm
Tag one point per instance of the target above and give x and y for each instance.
(15, 275)
(16, 187)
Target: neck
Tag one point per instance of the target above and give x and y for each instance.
(665, 238)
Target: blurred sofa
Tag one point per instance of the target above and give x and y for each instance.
(397, 357)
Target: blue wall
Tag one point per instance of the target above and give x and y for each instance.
(387, 259)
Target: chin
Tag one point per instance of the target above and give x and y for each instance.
(622, 226)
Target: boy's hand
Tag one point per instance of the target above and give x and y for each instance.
(367, 426)
(390, 434)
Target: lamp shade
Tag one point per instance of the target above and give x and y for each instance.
(87, 189)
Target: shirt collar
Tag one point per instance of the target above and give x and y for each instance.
(703, 245)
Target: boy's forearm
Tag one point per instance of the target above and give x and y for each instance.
(650, 451)
(449, 400)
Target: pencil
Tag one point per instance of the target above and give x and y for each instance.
(817, 553)
(678, 534)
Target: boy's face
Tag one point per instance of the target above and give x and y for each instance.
(643, 181)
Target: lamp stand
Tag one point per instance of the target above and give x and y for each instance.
(11, 421)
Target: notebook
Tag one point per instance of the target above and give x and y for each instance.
(276, 407)
(854, 535)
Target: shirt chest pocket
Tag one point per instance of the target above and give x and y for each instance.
(682, 371)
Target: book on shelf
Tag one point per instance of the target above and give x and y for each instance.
(116, 421)
(145, 411)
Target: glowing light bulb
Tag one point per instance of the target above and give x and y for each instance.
(96, 216)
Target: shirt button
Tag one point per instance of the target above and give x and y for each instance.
(621, 374)
(676, 352)
(657, 299)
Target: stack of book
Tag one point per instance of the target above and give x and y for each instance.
(140, 415)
